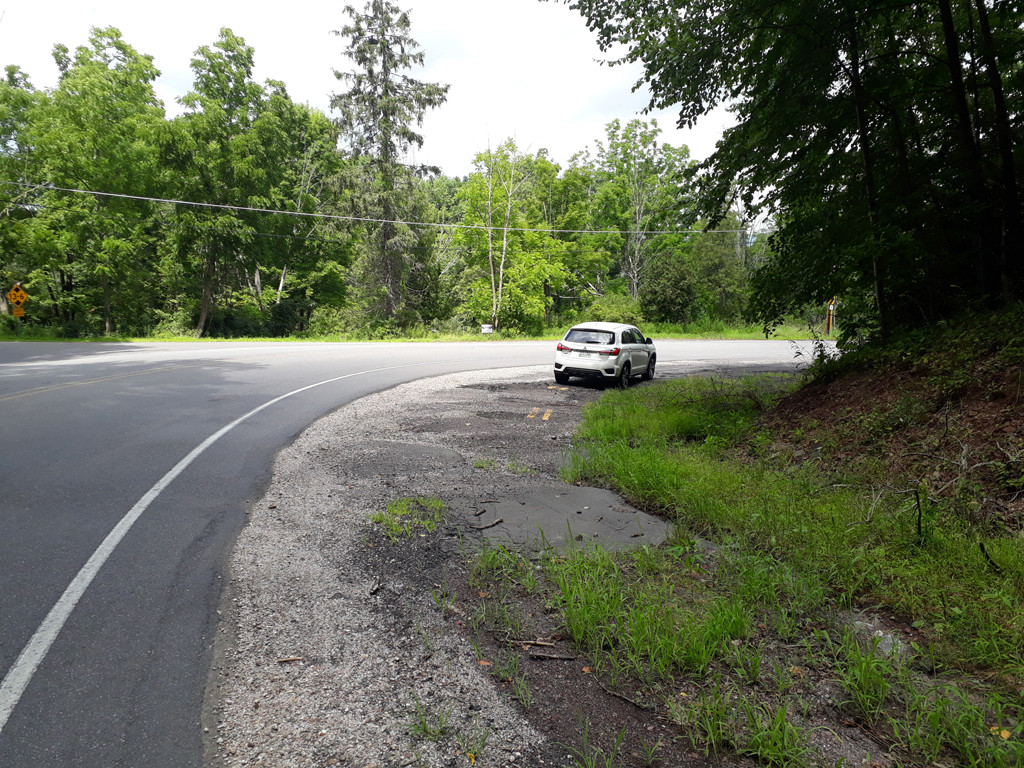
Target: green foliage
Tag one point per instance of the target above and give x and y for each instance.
(859, 129)
(430, 727)
(403, 516)
(651, 444)
(772, 739)
(642, 623)
(865, 674)
(265, 241)
(669, 294)
(376, 118)
(589, 755)
(615, 308)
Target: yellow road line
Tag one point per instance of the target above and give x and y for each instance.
(85, 382)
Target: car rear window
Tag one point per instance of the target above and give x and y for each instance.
(585, 336)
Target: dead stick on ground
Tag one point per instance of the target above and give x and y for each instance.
(485, 527)
(624, 698)
(554, 656)
(290, 659)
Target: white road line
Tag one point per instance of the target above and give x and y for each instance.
(20, 674)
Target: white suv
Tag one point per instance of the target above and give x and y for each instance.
(608, 351)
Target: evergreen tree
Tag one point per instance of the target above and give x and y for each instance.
(376, 117)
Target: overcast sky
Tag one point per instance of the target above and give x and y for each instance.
(517, 68)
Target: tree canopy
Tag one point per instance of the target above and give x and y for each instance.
(883, 138)
(248, 214)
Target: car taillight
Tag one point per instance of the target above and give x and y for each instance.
(609, 352)
(563, 348)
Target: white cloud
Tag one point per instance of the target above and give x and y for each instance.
(517, 68)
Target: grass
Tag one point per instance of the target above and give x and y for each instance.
(795, 553)
(866, 675)
(432, 727)
(772, 738)
(707, 330)
(589, 755)
(822, 541)
(472, 744)
(402, 517)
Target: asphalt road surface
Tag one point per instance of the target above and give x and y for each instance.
(125, 470)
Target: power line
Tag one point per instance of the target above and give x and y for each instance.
(361, 219)
(94, 215)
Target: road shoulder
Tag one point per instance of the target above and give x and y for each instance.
(333, 644)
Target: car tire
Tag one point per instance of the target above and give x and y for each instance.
(649, 373)
(561, 378)
(623, 378)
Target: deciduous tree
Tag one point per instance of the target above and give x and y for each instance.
(881, 136)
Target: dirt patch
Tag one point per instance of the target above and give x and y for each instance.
(963, 444)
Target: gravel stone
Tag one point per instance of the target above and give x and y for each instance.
(328, 652)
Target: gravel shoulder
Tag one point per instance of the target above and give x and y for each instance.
(332, 644)
(340, 648)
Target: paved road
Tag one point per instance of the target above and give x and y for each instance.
(114, 532)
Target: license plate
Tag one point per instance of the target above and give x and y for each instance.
(584, 354)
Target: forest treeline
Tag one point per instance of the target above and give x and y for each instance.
(250, 214)
(878, 143)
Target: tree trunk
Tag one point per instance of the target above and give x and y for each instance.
(860, 100)
(108, 325)
(1013, 229)
(986, 258)
(206, 305)
(280, 285)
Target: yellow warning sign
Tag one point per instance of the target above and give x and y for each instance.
(17, 295)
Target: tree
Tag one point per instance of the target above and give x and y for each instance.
(878, 135)
(376, 118)
(303, 249)
(217, 159)
(514, 262)
(95, 133)
(643, 190)
(18, 100)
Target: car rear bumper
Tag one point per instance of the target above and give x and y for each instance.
(594, 372)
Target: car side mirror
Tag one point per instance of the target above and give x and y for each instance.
(648, 340)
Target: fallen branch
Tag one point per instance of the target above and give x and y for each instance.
(624, 698)
(554, 656)
(538, 641)
(290, 659)
(485, 527)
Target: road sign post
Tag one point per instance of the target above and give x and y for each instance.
(17, 297)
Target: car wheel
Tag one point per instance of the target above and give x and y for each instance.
(561, 378)
(623, 380)
(649, 373)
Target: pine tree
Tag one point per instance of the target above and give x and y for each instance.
(376, 118)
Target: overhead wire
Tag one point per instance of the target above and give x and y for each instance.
(359, 219)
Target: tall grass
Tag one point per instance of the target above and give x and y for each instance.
(668, 448)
